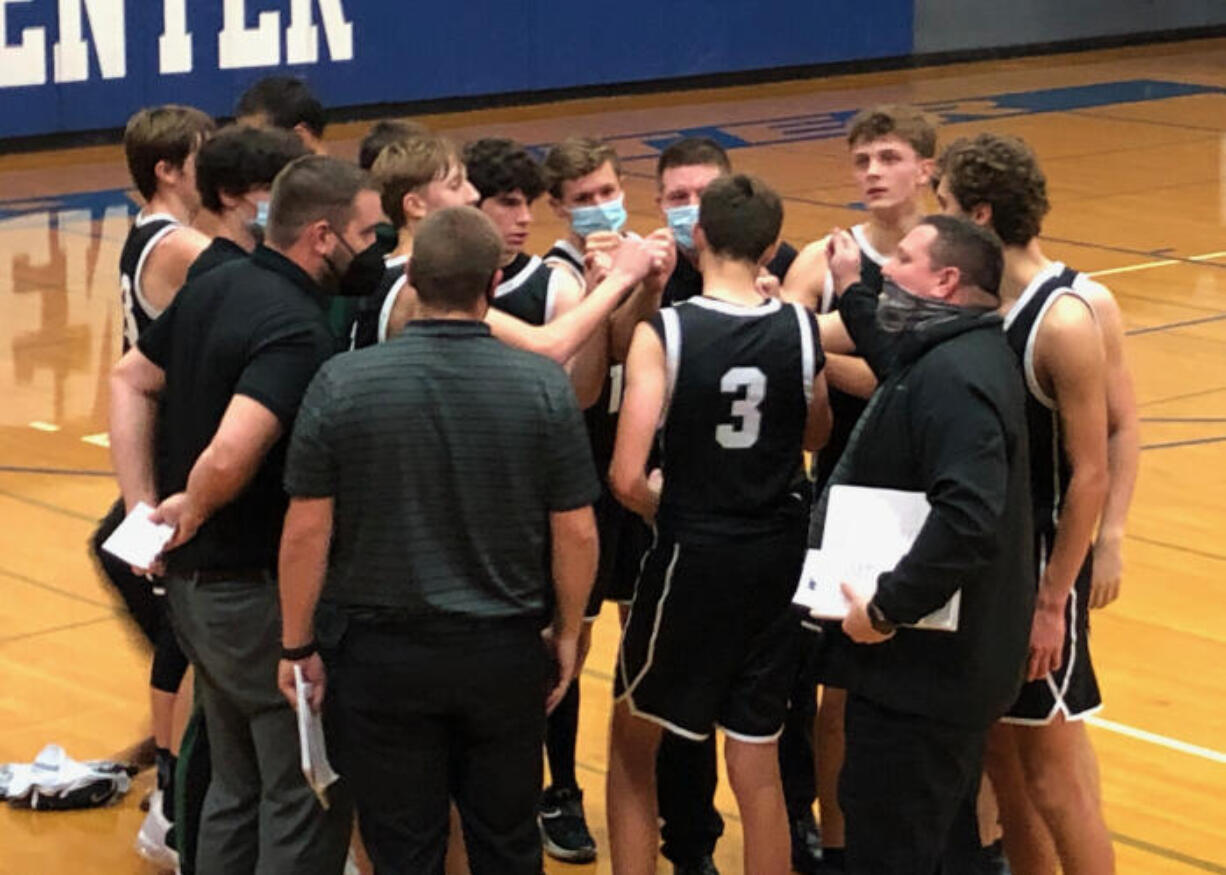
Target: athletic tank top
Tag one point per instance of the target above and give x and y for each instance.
(527, 290)
(145, 234)
(739, 380)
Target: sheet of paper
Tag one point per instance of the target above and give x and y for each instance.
(314, 757)
(867, 532)
(138, 541)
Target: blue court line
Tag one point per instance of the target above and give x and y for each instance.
(70, 472)
(1190, 442)
(1183, 323)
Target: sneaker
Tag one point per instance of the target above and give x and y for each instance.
(701, 866)
(564, 832)
(151, 840)
(806, 845)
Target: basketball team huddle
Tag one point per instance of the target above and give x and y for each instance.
(721, 382)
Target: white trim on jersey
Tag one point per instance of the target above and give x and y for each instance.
(750, 739)
(808, 358)
(389, 303)
(396, 261)
(1043, 276)
(672, 356)
(573, 260)
(631, 685)
(551, 295)
(137, 295)
(508, 286)
(866, 248)
(728, 308)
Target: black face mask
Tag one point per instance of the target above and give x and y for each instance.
(899, 310)
(365, 269)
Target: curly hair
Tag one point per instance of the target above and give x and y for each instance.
(1002, 172)
(498, 166)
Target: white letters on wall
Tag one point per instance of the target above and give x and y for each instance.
(71, 52)
(26, 62)
(241, 46)
(175, 43)
(302, 35)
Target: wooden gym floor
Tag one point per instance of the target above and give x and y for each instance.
(1134, 144)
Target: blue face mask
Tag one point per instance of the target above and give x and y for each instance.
(609, 216)
(681, 221)
(261, 213)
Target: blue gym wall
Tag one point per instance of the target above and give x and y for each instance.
(110, 57)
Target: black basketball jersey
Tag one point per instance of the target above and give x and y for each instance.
(145, 234)
(845, 408)
(564, 254)
(740, 380)
(1050, 470)
(526, 290)
(370, 321)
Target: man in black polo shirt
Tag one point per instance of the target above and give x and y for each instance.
(438, 483)
(229, 361)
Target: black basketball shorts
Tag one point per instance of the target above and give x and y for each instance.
(1072, 689)
(711, 640)
(624, 541)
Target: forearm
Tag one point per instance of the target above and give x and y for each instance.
(133, 425)
(636, 494)
(1074, 533)
(574, 571)
(217, 478)
(301, 571)
(562, 338)
(1123, 461)
(589, 368)
(641, 304)
(850, 374)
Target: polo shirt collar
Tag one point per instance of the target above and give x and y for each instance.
(448, 328)
(278, 263)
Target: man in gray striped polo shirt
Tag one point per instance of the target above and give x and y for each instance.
(438, 483)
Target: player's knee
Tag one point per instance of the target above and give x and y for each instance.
(752, 766)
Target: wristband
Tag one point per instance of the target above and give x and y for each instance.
(293, 654)
(879, 621)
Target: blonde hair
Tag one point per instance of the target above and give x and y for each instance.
(406, 165)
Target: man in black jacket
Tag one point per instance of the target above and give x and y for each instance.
(948, 421)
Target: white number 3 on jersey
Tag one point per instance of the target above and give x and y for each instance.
(750, 384)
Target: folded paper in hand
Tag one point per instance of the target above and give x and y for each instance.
(867, 532)
(138, 541)
(315, 765)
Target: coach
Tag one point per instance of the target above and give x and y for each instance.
(948, 420)
(229, 361)
(438, 483)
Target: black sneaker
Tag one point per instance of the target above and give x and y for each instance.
(702, 866)
(564, 832)
(806, 845)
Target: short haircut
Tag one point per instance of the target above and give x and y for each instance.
(912, 126)
(311, 188)
(499, 166)
(1002, 172)
(455, 254)
(575, 158)
(974, 250)
(406, 165)
(740, 216)
(286, 101)
(691, 152)
(240, 158)
(383, 134)
(162, 133)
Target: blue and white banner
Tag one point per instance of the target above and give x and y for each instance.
(75, 65)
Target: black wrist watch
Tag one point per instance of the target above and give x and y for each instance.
(293, 654)
(879, 621)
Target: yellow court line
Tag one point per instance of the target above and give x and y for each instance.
(1175, 744)
(1165, 262)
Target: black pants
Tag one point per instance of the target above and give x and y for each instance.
(904, 780)
(420, 714)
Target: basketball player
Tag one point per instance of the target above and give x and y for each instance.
(284, 102)
(686, 771)
(1067, 331)
(736, 380)
(160, 145)
(383, 134)
(892, 149)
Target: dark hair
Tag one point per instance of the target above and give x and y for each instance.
(974, 250)
(1002, 172)
(740, 215)
(286, 101)
(499, 166)
(692, 151)
(455, 254)
(909, 124)
(311, 188)
(240, 158)
(384, 133)
(162, 133)
(574, 158)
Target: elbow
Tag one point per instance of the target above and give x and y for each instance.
(621, 483)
